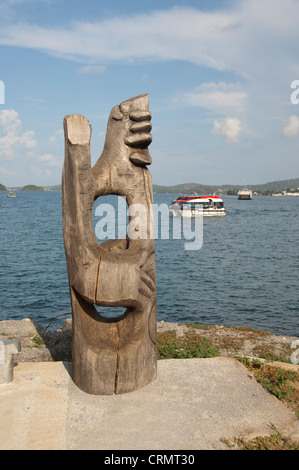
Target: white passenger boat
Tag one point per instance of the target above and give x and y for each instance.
(245, 194)
(192, 206)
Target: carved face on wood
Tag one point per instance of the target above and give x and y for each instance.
(118, 355)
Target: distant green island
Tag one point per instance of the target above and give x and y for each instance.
(277, 188)
(32, 187)
(28, 187)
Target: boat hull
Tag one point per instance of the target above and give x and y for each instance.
(196, 213)
(245, 194)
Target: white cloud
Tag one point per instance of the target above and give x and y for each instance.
(13, 140)
(27, 140)
(218, 97)
(245, 37)
(178, 33)
(9, 119)
(58, 134)
(291, 127)
(230, 128)
(49, 160)
(92, 69)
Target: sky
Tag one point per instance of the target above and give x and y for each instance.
(222, 79)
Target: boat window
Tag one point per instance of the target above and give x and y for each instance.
(199, 205)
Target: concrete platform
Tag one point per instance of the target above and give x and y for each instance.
(191, 406)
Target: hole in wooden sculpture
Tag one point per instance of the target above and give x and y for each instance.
(110, 218)
(111, 313)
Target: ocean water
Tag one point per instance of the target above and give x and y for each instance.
(246, 272)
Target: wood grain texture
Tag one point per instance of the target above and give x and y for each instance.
(110, 355)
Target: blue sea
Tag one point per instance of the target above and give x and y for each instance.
(246, 272)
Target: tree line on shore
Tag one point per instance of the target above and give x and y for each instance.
(267, 189)
(28, 187)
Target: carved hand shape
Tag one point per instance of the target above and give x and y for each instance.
(127, 138)
(116, 273)
(118, 355)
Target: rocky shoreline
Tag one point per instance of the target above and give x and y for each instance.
(39, 344)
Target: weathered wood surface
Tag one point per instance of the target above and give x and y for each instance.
(118, 355)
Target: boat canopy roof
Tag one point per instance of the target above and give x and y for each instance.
(197, 198)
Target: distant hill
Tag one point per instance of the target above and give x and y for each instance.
(277, 185)
(189, 188)
(32, 187)
(2, 187)
(57, 187)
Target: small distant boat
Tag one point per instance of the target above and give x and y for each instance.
(192, 206)
(11, 195)
(245, 194)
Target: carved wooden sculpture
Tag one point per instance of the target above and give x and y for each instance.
(110, 355)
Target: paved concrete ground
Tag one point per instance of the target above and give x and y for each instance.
(191, 406)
